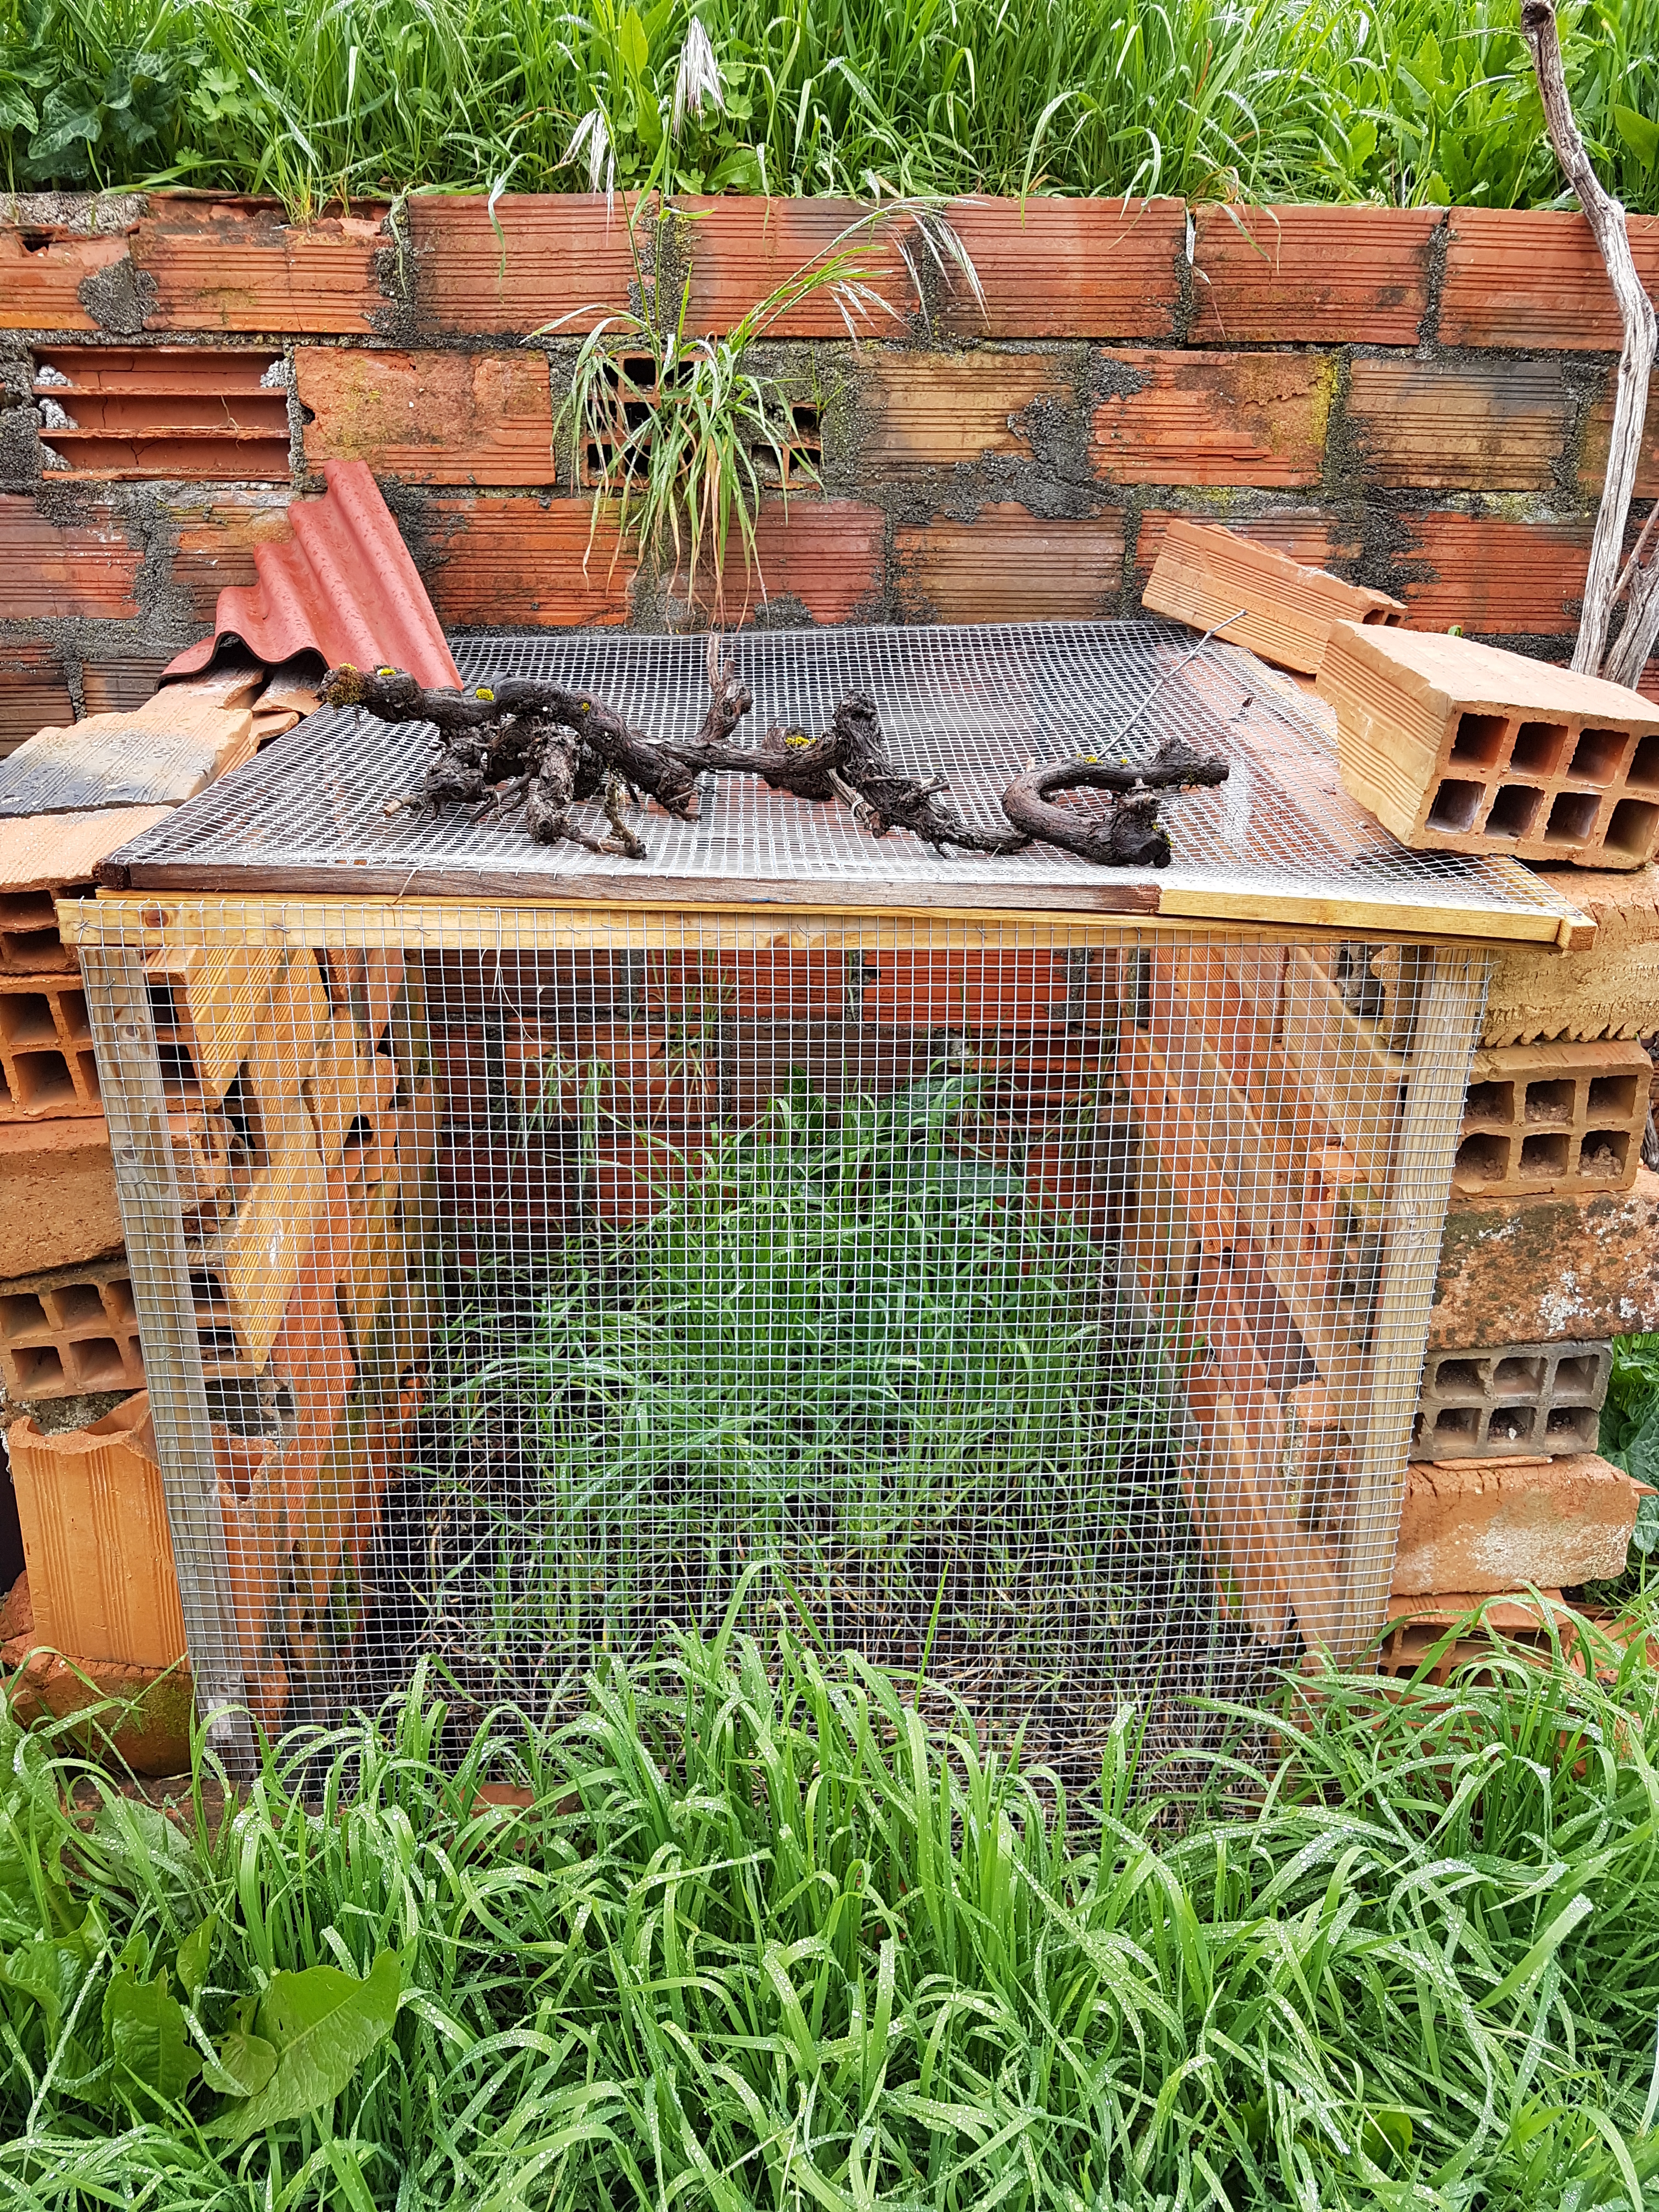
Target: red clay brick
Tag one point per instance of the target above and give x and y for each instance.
(937, 410)
(214, 542)
(1070, 269)
(519, 560)
(32, 692)
(1218, 418)
(1495, 577)
(40, 273)
(554, 255)
(1516, 278)
(741, 249)
(1321, 276)
(448, 418)
(60, 1183)
(1538, 1270)
(119, 686)
(232, 266)
(1446, 426)
(825, 553)
(1008, 565)
(1503, 1524)
(84, 567)
(1307, 534)
(1598, 432)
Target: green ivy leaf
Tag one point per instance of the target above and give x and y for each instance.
(145, 2024)
(16, 113)
(1645, 1536)
(322, 2025)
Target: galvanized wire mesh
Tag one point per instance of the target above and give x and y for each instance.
(1035, 1307)
(977, 705)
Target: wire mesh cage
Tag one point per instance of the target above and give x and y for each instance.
(1028, 1295)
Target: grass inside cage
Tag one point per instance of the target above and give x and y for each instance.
(847, 1352)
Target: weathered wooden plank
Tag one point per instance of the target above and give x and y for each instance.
(1448, 1023)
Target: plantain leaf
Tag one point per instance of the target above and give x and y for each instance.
(322, 2025)
(145, 2024)
(241, 2066)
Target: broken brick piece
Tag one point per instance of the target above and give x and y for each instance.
(1204, 575)
(96, 1539)
(1502, 1525)
(1609, 990)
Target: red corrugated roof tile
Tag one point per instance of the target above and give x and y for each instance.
(340, 584)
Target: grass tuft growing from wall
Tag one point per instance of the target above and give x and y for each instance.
(1407, 102)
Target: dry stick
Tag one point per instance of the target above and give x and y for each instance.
(1639, 586)
(1606, 217)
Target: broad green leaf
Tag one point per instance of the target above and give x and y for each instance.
(633, 45)
(50, 1972)
(194, 1953)
(15, 112)
(61, 124)
(241, 2066)
(1640, 132)
(145, 2024)
(322, 2025)
(1387, 2134)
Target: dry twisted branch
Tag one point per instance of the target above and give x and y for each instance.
(1131, 835)
(536, 748)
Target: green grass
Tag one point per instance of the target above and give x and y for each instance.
(1404, 101)
(766, 1940)
(1630, 1437)
(848, 1346)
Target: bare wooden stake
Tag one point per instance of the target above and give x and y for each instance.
(1606, 217)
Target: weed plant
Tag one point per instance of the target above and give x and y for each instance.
(679, 434)
(1410, 102)
(763, 1937)
(847, 1347)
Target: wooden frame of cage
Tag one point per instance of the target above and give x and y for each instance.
(116, 934)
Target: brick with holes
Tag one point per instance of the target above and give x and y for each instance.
(68, 1330)
(48, 1070)
(1462, 748)
(1553, 1119)
(1511, 1400)
(44, 858)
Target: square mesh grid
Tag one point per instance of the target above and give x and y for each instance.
(977, 705)
(1035, 1306)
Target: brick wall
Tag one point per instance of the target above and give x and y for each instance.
(1419, 400)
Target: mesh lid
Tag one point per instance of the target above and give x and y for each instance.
(976, 704)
